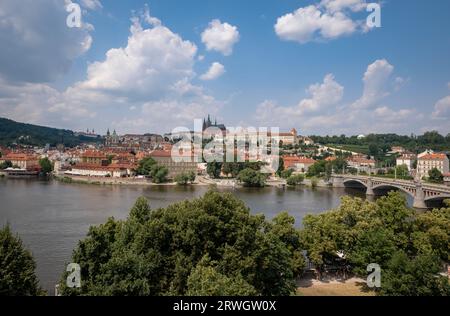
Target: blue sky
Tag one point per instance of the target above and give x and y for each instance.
(312, 65)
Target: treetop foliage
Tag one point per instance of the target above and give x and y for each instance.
(178, 250)
(17, 267)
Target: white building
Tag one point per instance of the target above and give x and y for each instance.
(113, 171)
(426, 152)
(407, 160)
(429, 162)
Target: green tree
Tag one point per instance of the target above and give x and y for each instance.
(252, 178)
(214, 169)
(280, 167)
(6, 164)
(402, 172)
(17, 267)
(145, 166)
(285, 174)
(140, 211)
(159, 173)
(46, 165)
(208, 281)
(434, 175)
(318, 169)
(295, 180)
(192, 176)
(418, 276)
(184, 178)
(211, 245)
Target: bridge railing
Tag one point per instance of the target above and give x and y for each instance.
(429, 186)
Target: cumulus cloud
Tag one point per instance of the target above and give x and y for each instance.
(153, 61)
(29, 53)
(152, 74)
(340, 5)
(215, 71)
(323, 96)
(330, 19)
(324, 112)
(220, 37)
(442, 109)
(376, 80)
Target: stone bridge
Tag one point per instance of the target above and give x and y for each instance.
(421, 192)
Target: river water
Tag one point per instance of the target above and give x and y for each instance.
(51, 217)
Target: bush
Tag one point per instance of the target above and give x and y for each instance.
(287, 173)
(252, 178)
(295, 180)
(184, 178)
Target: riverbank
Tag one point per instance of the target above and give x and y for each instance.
(199, 181)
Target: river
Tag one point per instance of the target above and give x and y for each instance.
(51, 217)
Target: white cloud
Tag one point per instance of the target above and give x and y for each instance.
(324, 112)
(91, 4)
(215, 71)
(323, 97)
(340, 5)
(147, 83)
(442, 109)
(153, 61)
(326, 20)
(37, 45)
(220, 37)
(375, 81)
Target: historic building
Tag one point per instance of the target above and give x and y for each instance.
(166, 159)
(112, 140)
(207, 123)
(22, 160)
(407, 160)
(428, 162)
(297, 163)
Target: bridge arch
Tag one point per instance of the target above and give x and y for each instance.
(349, 181)
(392, 186)
(441, 197)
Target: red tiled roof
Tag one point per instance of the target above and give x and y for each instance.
(433, 157)
(93, 154)
(361, 160)
(161, 154)
(20, 157)
(289, 161)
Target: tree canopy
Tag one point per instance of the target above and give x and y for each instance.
(46, 165)
(17, 267)
(386, 232)
(252, 178)
(207, 246)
